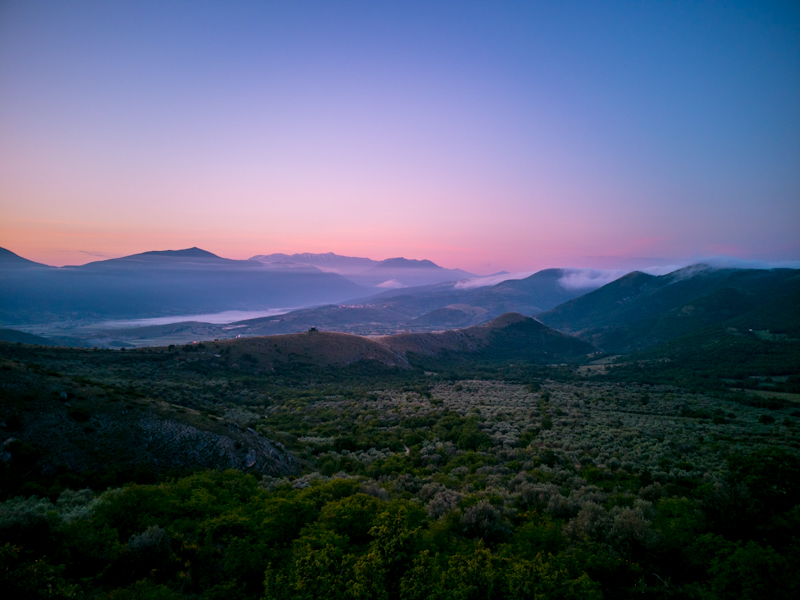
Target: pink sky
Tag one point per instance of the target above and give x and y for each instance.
(495, 138)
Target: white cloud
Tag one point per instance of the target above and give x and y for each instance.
(723, 262)
(588, 279)
(584, 279)
(477, 282)
(391, 284)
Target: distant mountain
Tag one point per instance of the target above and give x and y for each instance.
(641, 311)
(402, 272)
(190, 258)
(193, 252)
(425, 308)
(405, 263)
(162, 283)
(389, 273)
(329, 261)
(9, 260)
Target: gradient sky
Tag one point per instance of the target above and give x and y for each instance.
(480, 135)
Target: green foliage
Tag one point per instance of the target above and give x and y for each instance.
(516, 481)
(750, 572)
(772, 477)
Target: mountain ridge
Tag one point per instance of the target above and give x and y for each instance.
(161, 283)
(640, 311)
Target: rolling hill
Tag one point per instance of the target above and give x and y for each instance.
(510, 336)
(12, 335)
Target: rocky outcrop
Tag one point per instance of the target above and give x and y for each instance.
(171, 444)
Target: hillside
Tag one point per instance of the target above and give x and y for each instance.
(640, 311)
(509, 337)
(762, 342)
(479, 448)
(75, 416)
(12, 335)
(312, 348)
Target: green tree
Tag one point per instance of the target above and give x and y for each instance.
(544, 579)
(750, 572)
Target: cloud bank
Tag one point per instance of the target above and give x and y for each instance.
(588, 279)
(391, 284)
(582, 279)
(478, 282)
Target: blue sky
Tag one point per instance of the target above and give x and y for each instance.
(479, 135)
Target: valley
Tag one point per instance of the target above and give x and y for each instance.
(285, 456)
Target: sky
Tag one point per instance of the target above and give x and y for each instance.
(479, 135)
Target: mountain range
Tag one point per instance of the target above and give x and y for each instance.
(390, 273)
(359, 295)
(636, 312)
(425, 308)
(159, 283)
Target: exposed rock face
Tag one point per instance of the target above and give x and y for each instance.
(98, 435)
(172, 444)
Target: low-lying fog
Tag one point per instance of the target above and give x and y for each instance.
(220, 318)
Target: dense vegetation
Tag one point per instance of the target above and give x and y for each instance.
(447, 480)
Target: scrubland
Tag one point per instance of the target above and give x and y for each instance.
(561, 487)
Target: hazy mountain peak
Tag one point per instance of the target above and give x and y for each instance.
(406, 263)
(329, 259)
(194, 252)
(11, 259)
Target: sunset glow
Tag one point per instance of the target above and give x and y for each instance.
(479, 136)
